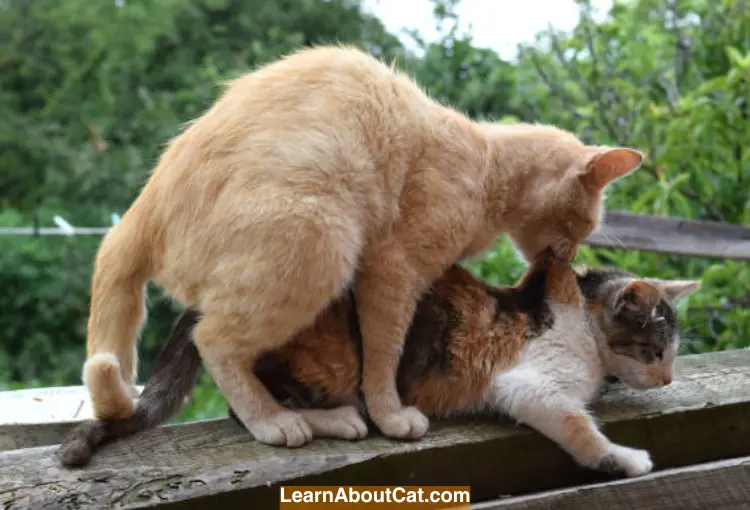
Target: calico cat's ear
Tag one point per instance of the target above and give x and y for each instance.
(678, 289)
(638, 296)
(606, 165)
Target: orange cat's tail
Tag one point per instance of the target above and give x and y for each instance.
(121, 271)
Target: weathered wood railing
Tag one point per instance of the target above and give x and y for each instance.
(678, 236)
(697, 430)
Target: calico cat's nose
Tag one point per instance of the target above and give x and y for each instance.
(666, 379)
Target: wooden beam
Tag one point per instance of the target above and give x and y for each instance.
(722, 485)
(627, 231)
(703, 416)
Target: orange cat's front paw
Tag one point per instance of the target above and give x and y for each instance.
(406, 423)
(286, 428)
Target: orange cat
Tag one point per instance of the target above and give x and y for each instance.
(318, 170)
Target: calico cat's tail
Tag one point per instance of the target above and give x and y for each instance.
(173, 378)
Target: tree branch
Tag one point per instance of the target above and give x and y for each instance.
(555, 89)
(597, 72)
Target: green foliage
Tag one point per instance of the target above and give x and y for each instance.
(473, 80)
(45, 298)
(672, 79)
(90, 92)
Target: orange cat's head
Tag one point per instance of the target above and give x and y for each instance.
(558, 189)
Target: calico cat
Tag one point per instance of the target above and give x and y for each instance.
(537, 351)
(323, 170)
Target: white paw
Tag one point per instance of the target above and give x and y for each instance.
(350, 424)
(341, 423)
(406, 423)
(286, 428)
(630, 461)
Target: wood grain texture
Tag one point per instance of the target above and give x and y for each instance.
(703, 416)
(721, 485)
(627, 231)
(26, 435)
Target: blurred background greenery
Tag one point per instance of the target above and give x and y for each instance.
(91, 91)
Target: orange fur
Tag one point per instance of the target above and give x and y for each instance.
(641, 295)
(581, 439)
(314, 171)
(562, 285)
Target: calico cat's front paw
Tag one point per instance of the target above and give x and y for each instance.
(629, 461)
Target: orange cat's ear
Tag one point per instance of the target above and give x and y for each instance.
(610, 164)
(640, 296)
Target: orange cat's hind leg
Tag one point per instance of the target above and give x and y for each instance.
(264, 294)
(229, 347)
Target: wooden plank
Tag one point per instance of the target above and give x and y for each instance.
(721, 485)
(703, 416)
(30, 435)
(623, 230)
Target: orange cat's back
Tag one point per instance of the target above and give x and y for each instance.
(325, 134)
(312, 105)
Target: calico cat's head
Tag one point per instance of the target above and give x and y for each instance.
(638, 323)
(559, 189)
